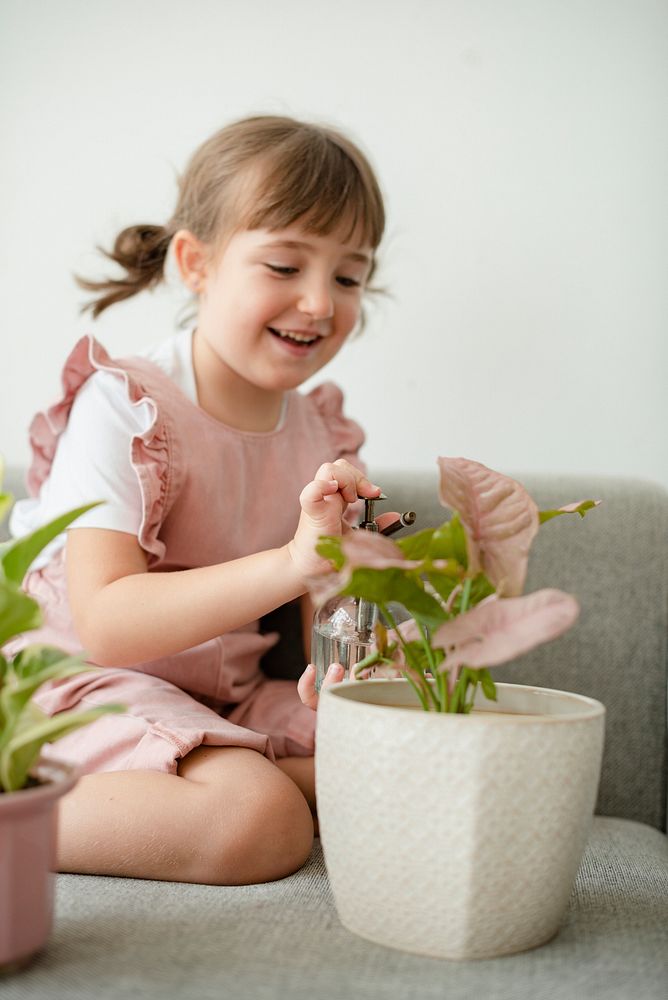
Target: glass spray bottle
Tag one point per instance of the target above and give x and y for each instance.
(343, 627)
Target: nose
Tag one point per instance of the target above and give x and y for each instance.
(315, 299)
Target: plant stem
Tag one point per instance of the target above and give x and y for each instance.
(370, 660)
(426, 689)
(419, 693)
(459, 694)
(473, 689)
(466, 594)
(440, 679)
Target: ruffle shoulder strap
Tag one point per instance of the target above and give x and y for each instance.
(150, 450)
(347, 436)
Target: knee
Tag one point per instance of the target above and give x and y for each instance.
(265, 835)
(280, 831)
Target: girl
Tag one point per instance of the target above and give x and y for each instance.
(200, 449)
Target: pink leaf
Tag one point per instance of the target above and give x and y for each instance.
(579, 507)
(499, 518)
(498, 630)
(410, 632)
(373, 551)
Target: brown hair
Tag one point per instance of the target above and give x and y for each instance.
(260, 172)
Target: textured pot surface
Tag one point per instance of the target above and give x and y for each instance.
(27, 858)
(449, 835)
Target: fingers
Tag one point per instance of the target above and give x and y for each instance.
(352, 483)
(314, 494)
(306, 687)
(306, 683)
(334, 674)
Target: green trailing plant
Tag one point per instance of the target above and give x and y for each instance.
(24, 728)
(461, 584)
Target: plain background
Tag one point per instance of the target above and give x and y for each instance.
(522, 148)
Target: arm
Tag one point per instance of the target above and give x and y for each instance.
(124, 614)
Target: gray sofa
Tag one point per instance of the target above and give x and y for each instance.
(119, 937)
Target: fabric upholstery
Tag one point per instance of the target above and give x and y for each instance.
(283, 941)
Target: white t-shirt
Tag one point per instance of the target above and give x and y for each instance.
(93, 457)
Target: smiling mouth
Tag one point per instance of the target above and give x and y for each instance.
(294, 337)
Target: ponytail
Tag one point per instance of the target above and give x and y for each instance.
(141, 252)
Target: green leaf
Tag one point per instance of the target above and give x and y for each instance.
(436, 543)
(458, 536)
(369, 661)
(35, 657)
(22, 751)
(15, 695)
(329, 547)
(442, 583)
(381, 586)
(380, 632)
(580, 508)
(442, 546)
(446, 542)
(4, 667)
(16, 559)
(419, 658)
(480, 588)
(5, 503)
(487, 684)
(416, 546)
(5, 498)
(30, 716)
(18, 612)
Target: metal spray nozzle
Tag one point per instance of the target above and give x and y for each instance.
(369, 522)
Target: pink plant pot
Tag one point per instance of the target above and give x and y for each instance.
(28, 828)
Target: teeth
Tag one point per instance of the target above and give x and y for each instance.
(299, 338)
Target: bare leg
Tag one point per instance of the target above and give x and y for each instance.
(302, 772)
(229, 817)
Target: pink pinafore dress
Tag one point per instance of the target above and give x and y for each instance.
(210, 493)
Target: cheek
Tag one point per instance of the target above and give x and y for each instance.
(348, 310)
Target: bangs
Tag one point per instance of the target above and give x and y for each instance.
(312, 179)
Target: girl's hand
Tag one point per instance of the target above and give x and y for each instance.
(306, 683)
(324, 502)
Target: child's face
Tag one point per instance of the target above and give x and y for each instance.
(275, 306)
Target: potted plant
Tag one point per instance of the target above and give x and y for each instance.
(29, 787)
(454, 811)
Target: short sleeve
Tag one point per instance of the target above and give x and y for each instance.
(93, 459)
(92, 462)
(346, 435)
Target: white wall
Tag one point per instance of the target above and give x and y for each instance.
(523, 150)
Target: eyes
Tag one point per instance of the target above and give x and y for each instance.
(287, 272)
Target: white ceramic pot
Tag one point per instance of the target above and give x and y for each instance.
(456, 836)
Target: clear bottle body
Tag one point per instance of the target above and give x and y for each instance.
(343, 632)
(337, 638)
